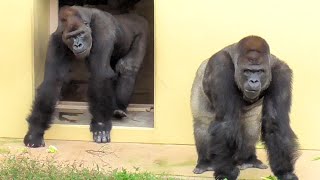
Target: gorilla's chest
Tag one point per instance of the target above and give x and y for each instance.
(79, 70)
(251, 120)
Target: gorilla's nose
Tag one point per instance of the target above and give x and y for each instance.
(77, 46)
(254, 84)
(253, 80)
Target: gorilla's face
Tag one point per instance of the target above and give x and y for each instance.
(253, 74)
(76, 32)
(79, 41)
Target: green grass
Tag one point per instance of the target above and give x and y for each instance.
(125, 175)
(270, 178)
(316, 158)
(4, 150)
(21, 168)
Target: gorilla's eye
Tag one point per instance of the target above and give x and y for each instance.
(260, 71)
(246, 72)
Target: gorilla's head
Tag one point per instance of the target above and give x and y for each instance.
(76, 33)
(252, 67)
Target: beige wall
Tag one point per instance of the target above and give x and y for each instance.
(41, 34)
(186, 32)
(16, 59)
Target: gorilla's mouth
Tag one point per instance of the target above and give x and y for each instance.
(251, 91)
(251, 94)
(80, 52)
(83, 53)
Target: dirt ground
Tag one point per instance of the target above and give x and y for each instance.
(176, 160)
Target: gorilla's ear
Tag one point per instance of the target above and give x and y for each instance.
(253, 43)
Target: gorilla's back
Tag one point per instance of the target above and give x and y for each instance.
(200, 104)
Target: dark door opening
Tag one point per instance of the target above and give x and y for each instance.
(73, 108)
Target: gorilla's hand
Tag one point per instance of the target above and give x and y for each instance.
(34, 140)
(288, 176)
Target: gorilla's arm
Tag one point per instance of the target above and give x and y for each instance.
(103, 40)
(56, 68)
(220, 87)
(280, 140)
(100, 89)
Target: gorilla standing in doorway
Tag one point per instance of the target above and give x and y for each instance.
(113, 48)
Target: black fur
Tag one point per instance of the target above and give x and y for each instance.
(118, 49)
(277, 134)
(218, 102)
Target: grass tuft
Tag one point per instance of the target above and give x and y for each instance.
(316, 158)
(270, 178)
(4, 150)
(21, 168)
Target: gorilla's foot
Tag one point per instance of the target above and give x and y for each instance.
(33, 140)
(201, 168)
(119, 114)
(252, 164)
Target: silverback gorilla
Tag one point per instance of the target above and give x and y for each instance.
(113, 48)
(240, 93)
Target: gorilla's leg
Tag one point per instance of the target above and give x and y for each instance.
(124, 91)
(202, 140)
(46, 98)
(128, 68)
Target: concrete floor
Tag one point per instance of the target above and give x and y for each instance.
(133, 119)
(177, 160)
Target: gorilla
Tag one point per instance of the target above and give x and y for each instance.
(241, 93)
(113, 48)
